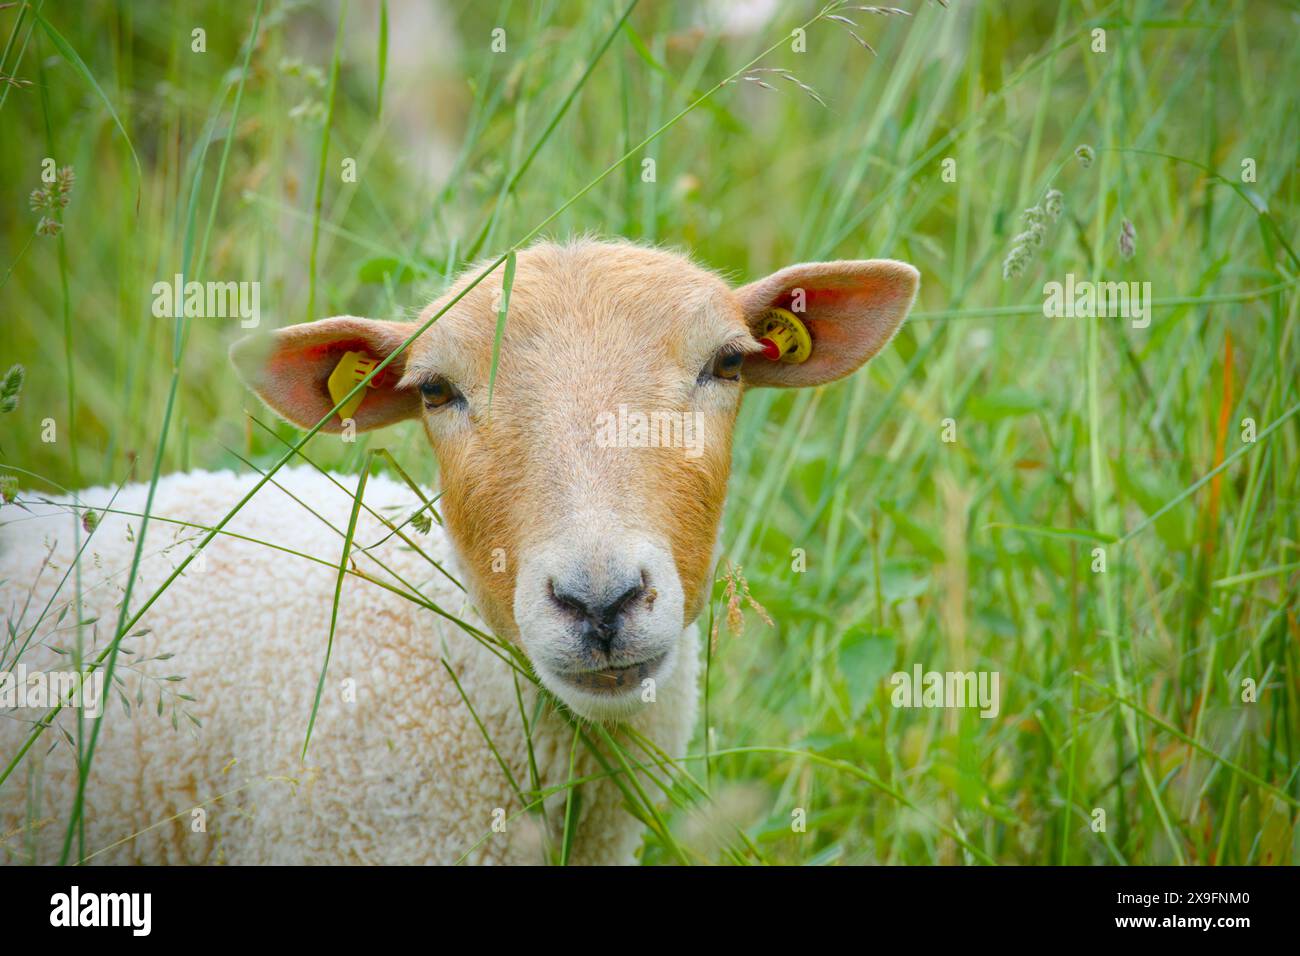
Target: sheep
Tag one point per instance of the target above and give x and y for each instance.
(563, 589)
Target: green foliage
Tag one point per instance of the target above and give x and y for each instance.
(1120, 690)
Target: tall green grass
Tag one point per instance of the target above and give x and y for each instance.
(1121, 691)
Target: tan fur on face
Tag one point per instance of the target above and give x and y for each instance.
(591, 326)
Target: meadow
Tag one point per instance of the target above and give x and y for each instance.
(1099, 509)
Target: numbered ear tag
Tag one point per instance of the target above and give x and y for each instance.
(784, 338)
(352, 368)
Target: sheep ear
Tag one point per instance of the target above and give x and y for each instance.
(290, 370)
(851, 308)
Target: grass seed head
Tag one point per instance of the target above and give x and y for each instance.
(1127, 240)
(1025, 244)
(11, 386)
(1017, 259)
(1054, 204)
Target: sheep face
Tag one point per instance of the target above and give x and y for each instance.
(583, 485)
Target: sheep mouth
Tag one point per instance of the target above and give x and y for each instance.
(614, 680)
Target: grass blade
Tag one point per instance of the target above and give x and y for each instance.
(507, 283)
(324, 159)
(338, 593)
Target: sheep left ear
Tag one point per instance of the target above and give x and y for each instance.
(290, 370)
(851, 308)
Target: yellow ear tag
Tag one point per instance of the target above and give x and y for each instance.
(784, 337)
(352, 368)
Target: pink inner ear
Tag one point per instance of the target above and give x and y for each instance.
(825, 306)
(341, 346)
(326, 355)
(834, 316)
(827, 297)
(293, 377)
(851, 310)
(302, 376)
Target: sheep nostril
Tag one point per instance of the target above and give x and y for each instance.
(599, 619)
(620, 603)
(569, 602)
(605, 611)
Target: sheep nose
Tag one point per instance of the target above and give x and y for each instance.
(599, 615)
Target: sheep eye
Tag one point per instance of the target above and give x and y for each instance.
(727, 364)
(438, 392)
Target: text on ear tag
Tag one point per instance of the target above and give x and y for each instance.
(352, 368)
(784, 337)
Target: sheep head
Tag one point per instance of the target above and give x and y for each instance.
(584, 498)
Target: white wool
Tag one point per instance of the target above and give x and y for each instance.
(401, 775)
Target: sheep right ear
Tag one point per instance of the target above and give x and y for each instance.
(290, 370)
(851, 309)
